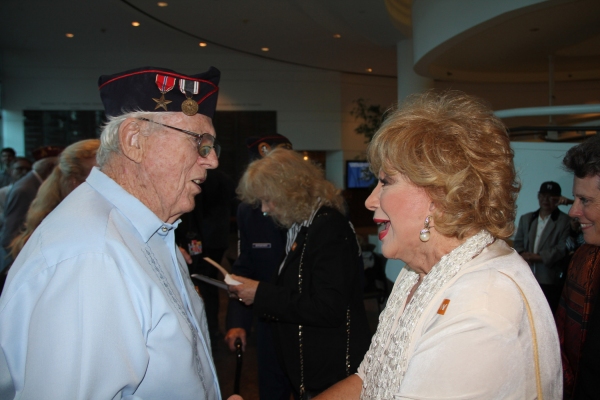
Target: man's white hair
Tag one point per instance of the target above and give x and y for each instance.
(109, 139)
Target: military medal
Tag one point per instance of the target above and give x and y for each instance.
(189, 105)
(165, 84)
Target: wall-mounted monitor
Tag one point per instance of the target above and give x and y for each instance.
(359, 176)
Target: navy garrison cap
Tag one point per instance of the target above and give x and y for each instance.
(159, 89)
(259, 146)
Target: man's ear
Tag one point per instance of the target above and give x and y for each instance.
(131, 140)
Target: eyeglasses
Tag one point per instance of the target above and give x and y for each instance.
(206, 141)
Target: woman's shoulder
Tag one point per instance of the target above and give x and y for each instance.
(329, 221)
(327, 214)
(494, 280)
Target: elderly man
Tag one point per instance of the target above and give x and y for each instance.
(98, 304)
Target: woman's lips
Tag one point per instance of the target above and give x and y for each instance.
(386, 224)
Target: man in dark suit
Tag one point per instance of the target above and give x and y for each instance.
(541, 240)
(18, 201)
(261, 251)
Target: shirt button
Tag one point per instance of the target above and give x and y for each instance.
(164, 229)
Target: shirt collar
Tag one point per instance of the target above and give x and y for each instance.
(140, 216)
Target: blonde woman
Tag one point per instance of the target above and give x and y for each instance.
(315, 301)
(466, 317)
(74, 165)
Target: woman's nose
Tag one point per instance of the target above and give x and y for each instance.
(372, 201)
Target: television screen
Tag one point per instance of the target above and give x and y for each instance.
(358, 175)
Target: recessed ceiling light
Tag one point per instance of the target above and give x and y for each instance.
(162, 4)
(369, 70)
(264, 48)
(337, 36)
(135, 23)
(69, 35)
(202, 44)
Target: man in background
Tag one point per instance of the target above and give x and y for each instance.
(261, 249)
(7, 156)
(204, 232)
(20, 167)
(541, 240)
(18, 201)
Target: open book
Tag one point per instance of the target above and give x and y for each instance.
(221, 284)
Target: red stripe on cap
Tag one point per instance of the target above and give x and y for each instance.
(208, 94)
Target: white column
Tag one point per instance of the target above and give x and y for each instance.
(334, 170)
(408, 81)
(13, 130)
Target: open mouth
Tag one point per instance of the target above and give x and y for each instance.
(384, 226)
(585, 226)
(199, 181)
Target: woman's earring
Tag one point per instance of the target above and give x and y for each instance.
(424, 235)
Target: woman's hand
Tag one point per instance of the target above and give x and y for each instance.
(244, 291)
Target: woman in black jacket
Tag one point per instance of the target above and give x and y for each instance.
(315, 300)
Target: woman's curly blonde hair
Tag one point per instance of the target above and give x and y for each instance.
(291, 183)
(452, 146)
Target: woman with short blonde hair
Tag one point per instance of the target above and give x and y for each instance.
(315, 302)
(294, 184)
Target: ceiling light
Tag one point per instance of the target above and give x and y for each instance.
(69, 35)
(162, 4)
(337, 35)
(202, 44)
(369, 70)
(135, 23)
(264, 48)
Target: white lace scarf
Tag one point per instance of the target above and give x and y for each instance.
(385, 367)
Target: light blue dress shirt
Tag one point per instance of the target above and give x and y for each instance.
(99, 305)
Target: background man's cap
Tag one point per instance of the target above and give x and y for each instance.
(551, 188)
(259, 146)
(159, 89)
(46, 151)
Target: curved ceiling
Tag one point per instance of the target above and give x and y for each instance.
(517, 46)
(511, 47)
(355, 36)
